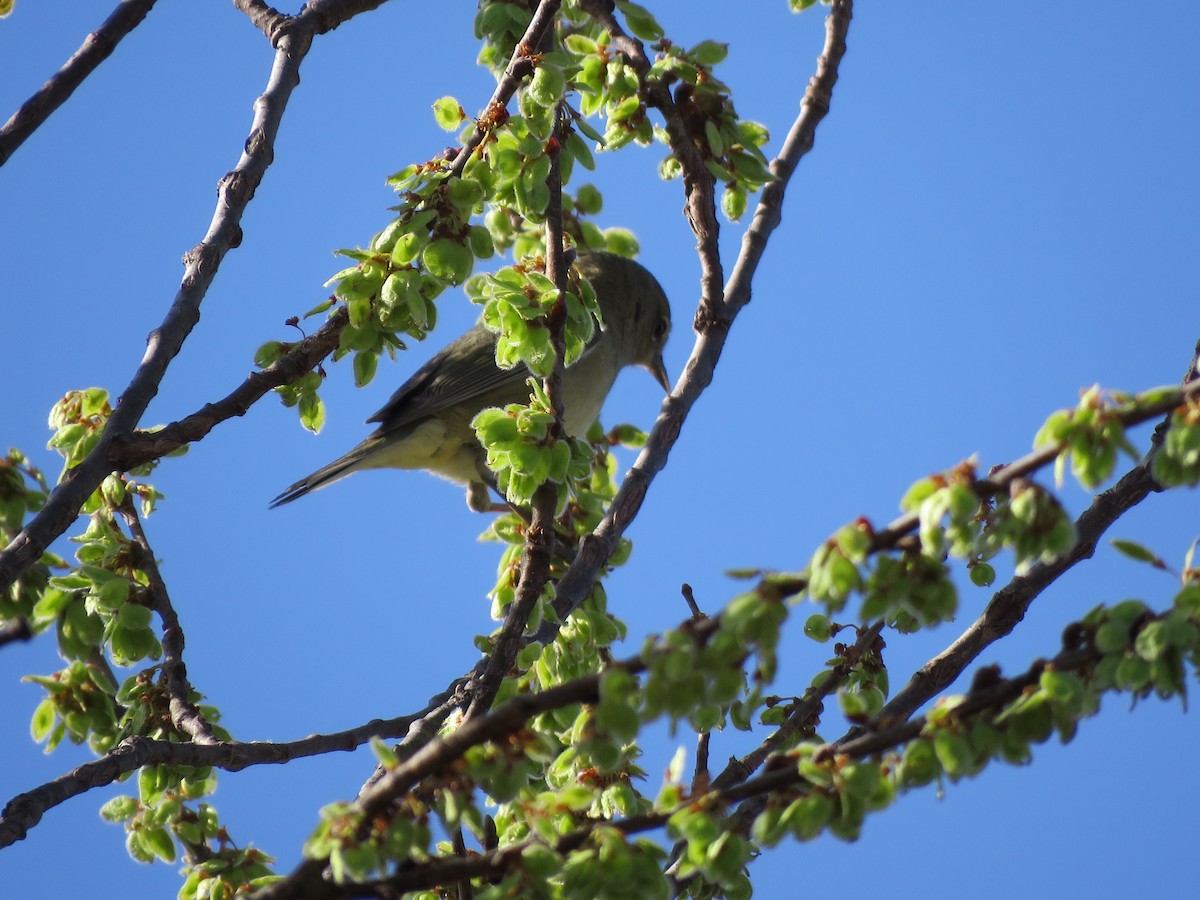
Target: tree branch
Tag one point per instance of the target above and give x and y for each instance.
(201, 263)
(800, 139)
(804, 714)
(597, 547)
(265, 18)
(699, 203)
(15, 630)
(142, 447)
(96, 48)
(539, 536)
(496, 863)
(305, 882)
(25, 810)
(185, 716)
(1008, 605)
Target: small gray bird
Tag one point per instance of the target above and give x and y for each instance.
(427, 423)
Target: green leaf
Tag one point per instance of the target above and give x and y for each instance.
(1151, 642)
(158, 842)
(1112, 637)
(464, 193)
(713, 135)
(671, 168)
(919, 764)
(43, 720)
(547, 85)
(1063, 688)
(588, 199)
(580, 45)
(365, 364)
(131, 615)
(1137, 552)
(268, 353)
(94, 403)
(640, 21)
(621, 242)
(709, 53)
(312, 412)
(481, 243)
(953, 752)
(589, 132)
(809, 815)
(718, 171)
(580, 151)
(408, 247)
(113, 594)
(119, 809)
(448, 113)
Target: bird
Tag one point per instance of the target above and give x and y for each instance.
(426, 424)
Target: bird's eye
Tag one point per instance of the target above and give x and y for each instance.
(661, 328)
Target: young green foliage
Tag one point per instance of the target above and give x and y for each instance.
(1090, 435)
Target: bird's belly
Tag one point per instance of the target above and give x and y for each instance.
(430, 445)
(584, 395)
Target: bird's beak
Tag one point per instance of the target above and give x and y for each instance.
(659, 371)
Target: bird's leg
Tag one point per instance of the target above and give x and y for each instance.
(479, 500)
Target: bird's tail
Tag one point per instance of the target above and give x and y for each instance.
(335, 471)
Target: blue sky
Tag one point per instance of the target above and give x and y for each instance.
(1000, 210)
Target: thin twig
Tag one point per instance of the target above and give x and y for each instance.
(265, 18)
(805, 713)
(698, 183)
(497, 862)
(96, 48)
(146, 446)
(1008, 605)
(201, 263)
(25, 810)
(463, 888)
(185, 715)
(597, 547)
(538, 553)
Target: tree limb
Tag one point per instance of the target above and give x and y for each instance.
(1008, 605)
(201, 263)
(598, 546)
(699, 204)
(25, 810)
(96, 48)
(15, 630)
(496, 863)
(185, 715)
(143, 447)
(538, 554)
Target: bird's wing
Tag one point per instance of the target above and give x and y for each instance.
(465, 369)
